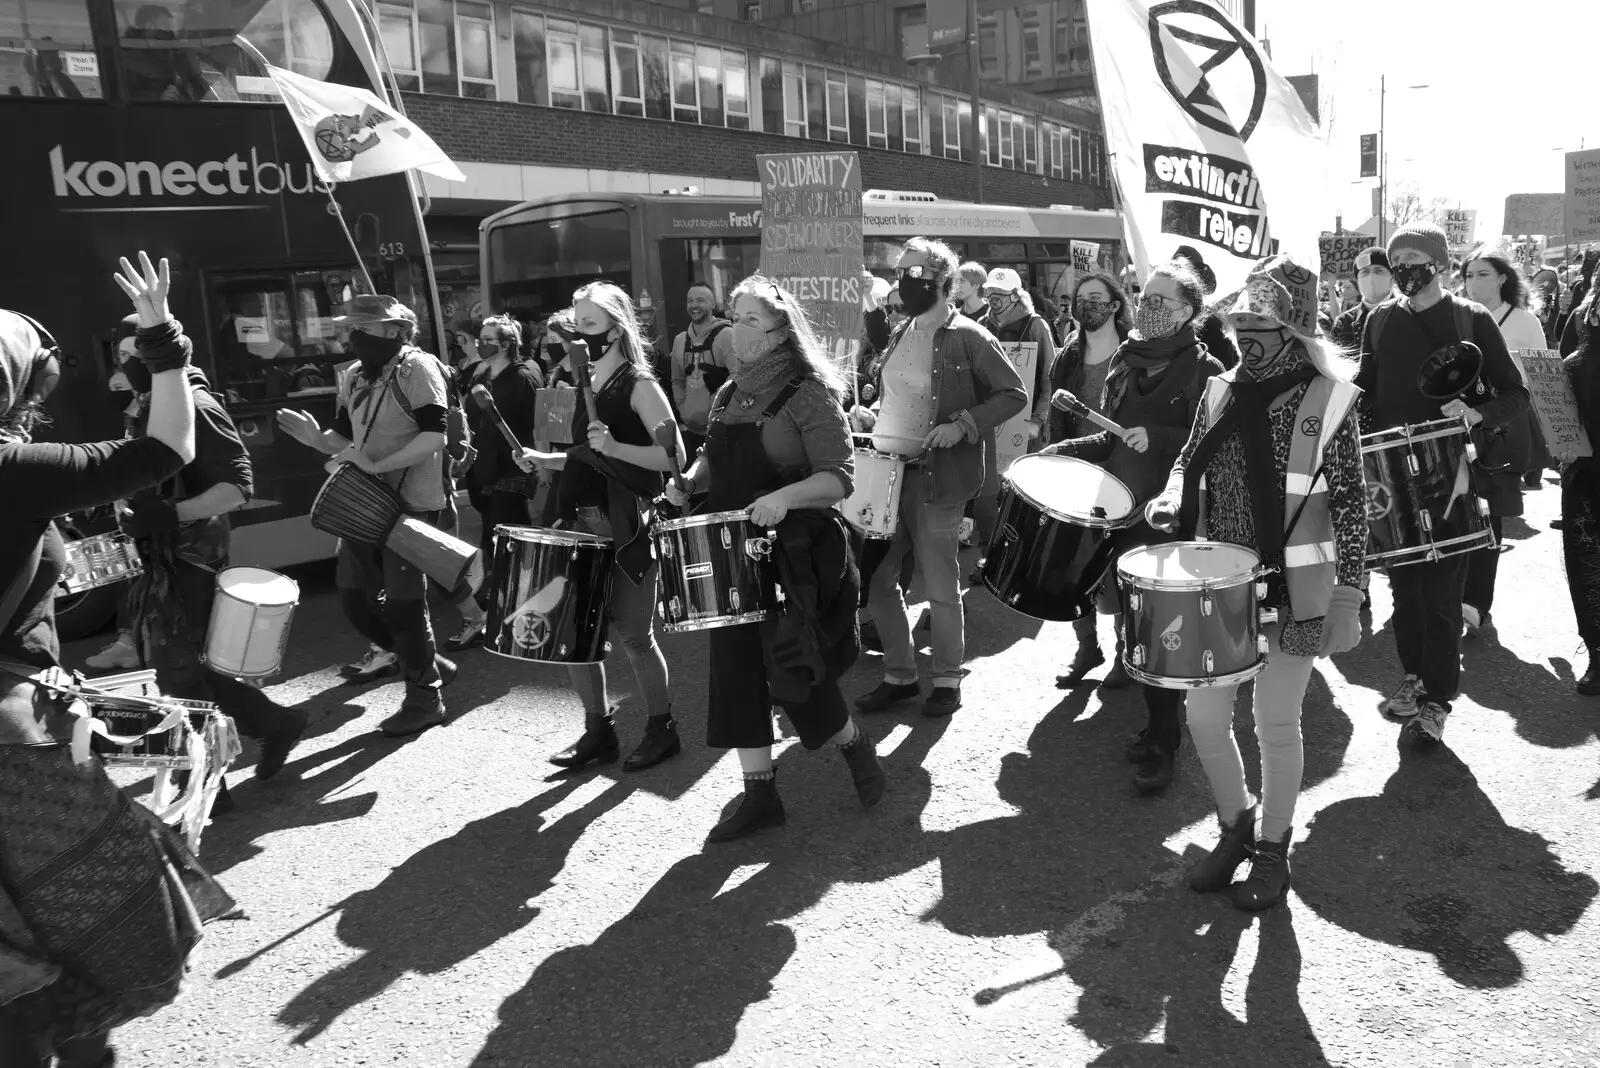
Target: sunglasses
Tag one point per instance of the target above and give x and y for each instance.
(916, 270)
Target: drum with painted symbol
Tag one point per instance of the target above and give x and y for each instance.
(1191, 614)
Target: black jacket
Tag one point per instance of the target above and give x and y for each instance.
(815, 636)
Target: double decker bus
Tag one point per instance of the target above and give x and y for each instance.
(151, 124)
(535, 254)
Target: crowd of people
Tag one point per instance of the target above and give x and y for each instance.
(1239, 416)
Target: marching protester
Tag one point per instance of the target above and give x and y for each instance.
(1398, 338)
(102, 903)
(779, 445)
(946, 387)
(1153, 390)
(182, 531)
(700, 362)
(1105, 318)
(1262, 491)
(496, 484)
(968, 292)
(606, 485)
(1208, 328)
(1375, 285)
(1580, 490)
(1012, 319)
(390, 422)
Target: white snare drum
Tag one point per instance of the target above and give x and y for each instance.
(250, 619)
(873, 506)
(98, 561)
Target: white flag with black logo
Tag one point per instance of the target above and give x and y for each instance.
(351, 134)
(1211, 147)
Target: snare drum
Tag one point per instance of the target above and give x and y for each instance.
(102, 560)
(549, 595)
(873, 506)
(250, 617)
(1052, 544)
(170, 735)
(1191, 614)
(1421, 501)
(716, 571)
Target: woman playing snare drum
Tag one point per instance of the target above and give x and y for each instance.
(1276, 442)
(778, 444)
(606, 488)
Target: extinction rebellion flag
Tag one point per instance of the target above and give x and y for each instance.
(351, 134)
(1210, 145)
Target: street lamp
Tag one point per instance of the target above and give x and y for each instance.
(1383, 159)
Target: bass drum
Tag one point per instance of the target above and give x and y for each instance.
(549, 595)
(1052, 544)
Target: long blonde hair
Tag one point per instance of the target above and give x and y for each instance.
(809, 353)
(610, 299)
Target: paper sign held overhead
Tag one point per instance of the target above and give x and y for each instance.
(1012, 439)
(1459, 225)
(1533, 213)
(1339, 252)
(1583, 196)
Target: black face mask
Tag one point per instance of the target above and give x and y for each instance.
(598, 343)
(137, 372)
(918, 294)
(554, 354)
(1413, 278)
(373, 351)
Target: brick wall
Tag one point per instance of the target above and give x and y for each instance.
(496, 132)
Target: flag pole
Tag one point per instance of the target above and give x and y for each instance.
(338, 213)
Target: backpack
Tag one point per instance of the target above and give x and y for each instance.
(1461, 311)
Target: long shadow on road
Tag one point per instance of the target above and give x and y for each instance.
(669, 983)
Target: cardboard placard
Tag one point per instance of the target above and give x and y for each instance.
(1583, 196)
(1460, 225)
(554, 411)
(1012, 439)
(1339, 252)
(1553, 400)
(1533, 213)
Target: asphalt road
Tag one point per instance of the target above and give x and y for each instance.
(446, 901)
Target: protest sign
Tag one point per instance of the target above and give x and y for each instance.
(1339, 252)
(553, 413)
(1533, 213)
(1085, 257)
(1011, 441)
(811, 237)
(1553, 402)
(1460, 225)
(1583, 196)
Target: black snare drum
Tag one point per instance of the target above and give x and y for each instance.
(144, 737)
(1421, 501)
(1052, 546)
(716, 571)
(549, 595)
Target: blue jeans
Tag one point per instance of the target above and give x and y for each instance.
(931, 533)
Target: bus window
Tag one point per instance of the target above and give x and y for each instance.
(276, 338)
(47, 50)
(719, 262)
(186, 49)
(1056, 281)
(535, 266)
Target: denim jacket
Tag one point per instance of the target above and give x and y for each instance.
(974, 386)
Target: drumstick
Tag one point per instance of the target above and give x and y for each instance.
(578, 353)
(1063, 400)
(666, 435)
(485, 400)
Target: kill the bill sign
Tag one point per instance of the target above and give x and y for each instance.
(1210, 145)
(811, 237)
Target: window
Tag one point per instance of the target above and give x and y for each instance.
(627, 73)
(1080, 36)
(396, 25)
(276, 337)
(911, 106)
(536, 265)
(49, 51)
(911, 30)
(596, 80)
(935, 124)
(1032, 49)
(1077, 156)
(894, 118)
(182, 52)
(708, 68)
(1096, 155)
(1056, 170)
(794, 100)
(528, 50)
(989, 47)
(877, 126)
(838, 114)
(856, 105)
(475, 41)
(437, 32)
(1008, 149)
(566, 89)
(1063, 40)
(990, 138)
(685, 95)
(816, 98)
(657, 78)
(736, 89)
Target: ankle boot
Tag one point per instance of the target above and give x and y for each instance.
(1589, 684)
(660, 741)
(1269, 875)
(599, 742)
(1086, 659)
(1216, 868)
(862, 757)
(760, 808)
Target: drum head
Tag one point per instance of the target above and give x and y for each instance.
(1070, 488)
(546, 536)
(1188, 562)
(257, 585)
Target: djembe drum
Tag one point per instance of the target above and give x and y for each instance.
(366, 510)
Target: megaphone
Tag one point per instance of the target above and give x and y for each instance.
(1452, 371)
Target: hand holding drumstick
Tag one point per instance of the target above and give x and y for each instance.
(1136, 438)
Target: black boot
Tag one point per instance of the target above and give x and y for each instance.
(660, 741)
(760, 808)
(1269, 875)
(1589, 684)
(1088, 657)
(862, 757)
(1216, 868)
(599, 742)
(1156, 770)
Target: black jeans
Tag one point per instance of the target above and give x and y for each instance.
(1164, 728)
(1427, 622)
(739, 715)
(175, 650)
(1580, 549)
(1482, 567)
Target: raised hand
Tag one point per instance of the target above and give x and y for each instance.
(147, 286)
(302, 426)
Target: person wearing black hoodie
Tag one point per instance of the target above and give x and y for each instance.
(1580, 490)
(1155, 385)
(1208, 329)
(182, 531)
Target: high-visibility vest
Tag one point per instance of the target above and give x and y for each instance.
(1310, 557)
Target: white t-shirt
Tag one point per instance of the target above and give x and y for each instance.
(1521, 328)
(906, 415)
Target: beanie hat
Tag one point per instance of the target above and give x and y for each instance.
(1425, 238)
(1191, 255)
(1372, 257)
(1281, 290)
